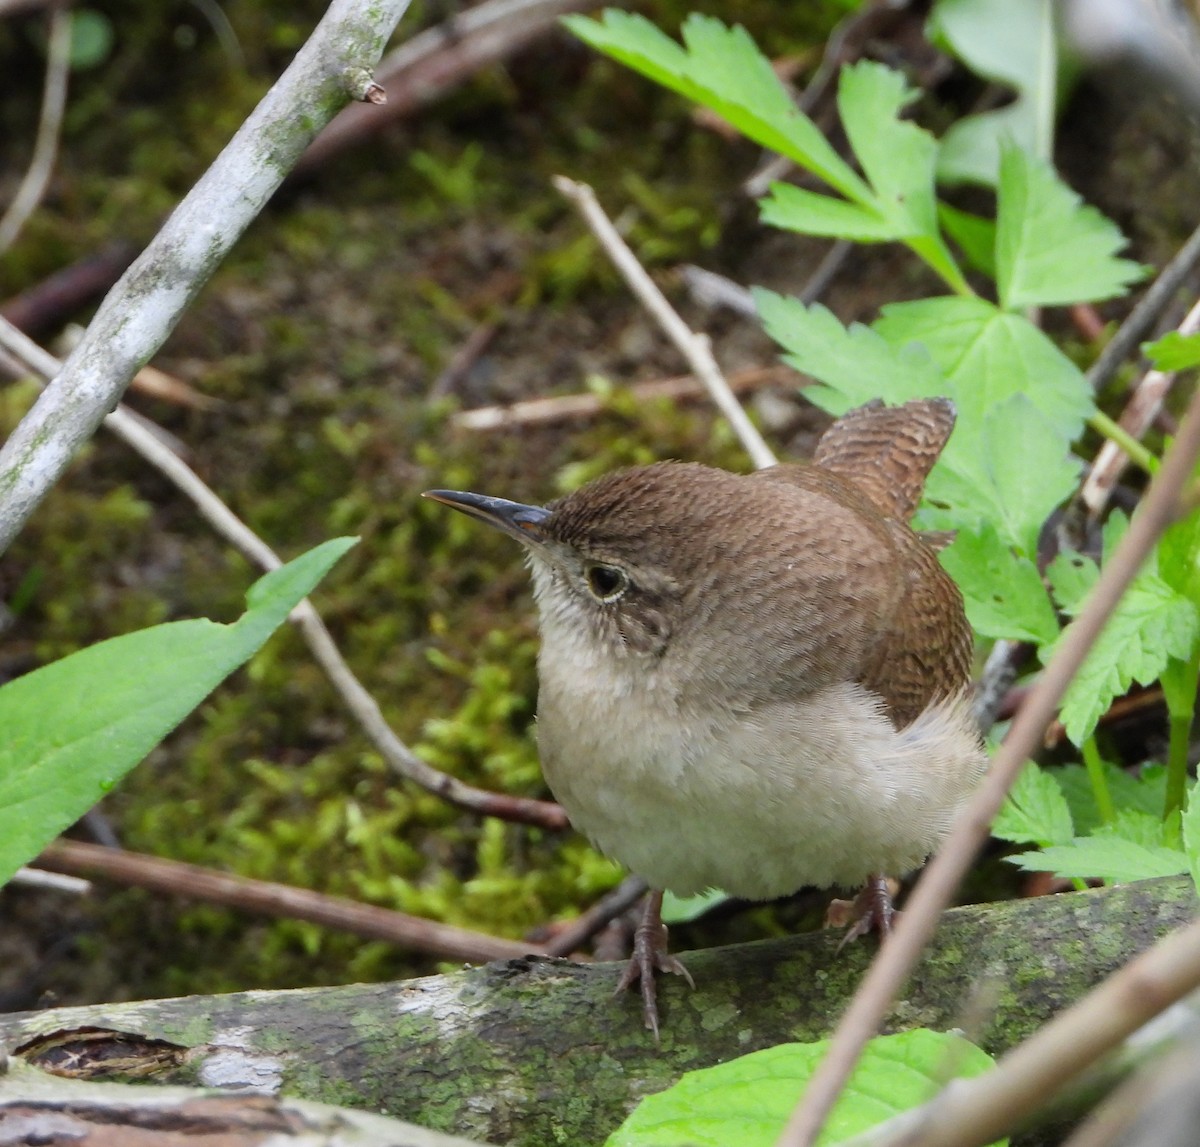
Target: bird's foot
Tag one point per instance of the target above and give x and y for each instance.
(650, 956)
(870, 911)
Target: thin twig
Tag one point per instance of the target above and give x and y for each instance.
(580, 930)
(556, 408)
(696, 348)
(827, 270)
(142, 309)
(1138, 322)
(45, 148)
(995, 681)
(936, 886)
(1136, 419)
(51, 881)
(974, 1112)
(77, 858)
(134, 432)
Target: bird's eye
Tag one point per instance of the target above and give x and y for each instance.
(607, 583)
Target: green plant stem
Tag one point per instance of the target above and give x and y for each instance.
(1100, 790)
(933, 253)
(1179, 722)
(1138, 454)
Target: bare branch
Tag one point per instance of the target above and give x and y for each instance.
(193, 882)
(1136, 418)
(143, 308)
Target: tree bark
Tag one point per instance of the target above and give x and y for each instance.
(535, 1050)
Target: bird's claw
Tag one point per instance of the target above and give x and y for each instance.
(650, 956)
(870, 911)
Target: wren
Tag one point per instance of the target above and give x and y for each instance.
(753, 682)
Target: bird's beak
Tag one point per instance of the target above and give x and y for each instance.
(515, 518)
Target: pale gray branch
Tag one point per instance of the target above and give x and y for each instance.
(142, 309)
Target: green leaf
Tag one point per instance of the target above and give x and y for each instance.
(1035, 811)
(1071, 576)
(721, 68)
(1011, 44)
(58, 759)
(683, 909)
(1010, 473)
(1105, 858)
(985, 361)
(855, 364)
(747, 1101)
(987, 356)
(896, 155)
(898, 158)
(1003, 592)
(1179, 557)
(1137, 826)
(795, 209)
(1051, 248)
(1144, 793)
(1191, 836)
(975, 236)
(1152, 624)
(1174, 351)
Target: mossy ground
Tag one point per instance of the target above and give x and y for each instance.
(321, 336)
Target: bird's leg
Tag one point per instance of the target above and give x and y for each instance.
(870, 911)
(650, 955)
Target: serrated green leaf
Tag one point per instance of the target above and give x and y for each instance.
(1035, 811)
(1003, 593)
(1152, 624)
(796, 209)
(1136, 826)
(1071, 577)
(1011, 44)
(1179, 557)
(57, 760)
(721, 68)
(1105, 858)
(1174, 351)
(1051, 248)
(747, 1100)
(896, 155)
(986, 478)
(898, 158)
(855, 364)
(1191, 835)
(1144, 792)
(988, 355)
